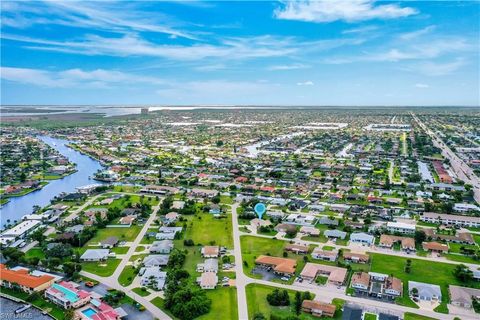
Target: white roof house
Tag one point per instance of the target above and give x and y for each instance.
(153, 276)
(361, 237)
(426, 291)
(21, 229)
(156, 260)
(400, 227)
(95, 255)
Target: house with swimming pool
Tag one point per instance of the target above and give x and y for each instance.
(99, 310)
(67, 295)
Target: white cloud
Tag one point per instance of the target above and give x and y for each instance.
(416, 34)
(102, 15)
(73, 77)
(435, 69)
(231, 48)
(349, 11)
(284, 67)
(305, 83)
(422, 86)
(363, 29)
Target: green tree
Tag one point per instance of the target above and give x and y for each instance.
(298, 302)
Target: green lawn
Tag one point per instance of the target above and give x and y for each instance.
(143, 292)
(139, 248)
(205, 229)
(421, 271)
(226, 200)
(253, 247)
(127, 276)
(103, 268)
(192, 258)
(123, 234)
(414, 316)
(369, 316)
(257, 302)
(159, 303)
(35, 252)
(224, 304)
(120, 250)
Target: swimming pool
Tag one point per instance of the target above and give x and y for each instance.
(70, 295)
(89, 312)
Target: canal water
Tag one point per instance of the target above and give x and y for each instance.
(18, 207)
(8, 308)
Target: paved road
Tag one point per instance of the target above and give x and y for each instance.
(241, 278)
(461, 169)
(75, 212)
(112, 281)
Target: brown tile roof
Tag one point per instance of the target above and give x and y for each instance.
(23, 278)
(316, 305)
(283, 265)
(335, 274)
(434, 246)
(359, 256)
(361, 278)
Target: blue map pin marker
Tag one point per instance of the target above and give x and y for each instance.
(260, 209)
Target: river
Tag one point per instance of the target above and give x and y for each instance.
(18, 207)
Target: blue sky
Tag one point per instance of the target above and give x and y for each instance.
(264, 53)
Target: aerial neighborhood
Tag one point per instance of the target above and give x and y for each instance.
(365, 216)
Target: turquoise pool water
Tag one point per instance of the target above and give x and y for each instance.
(89, 312)
(70, 295)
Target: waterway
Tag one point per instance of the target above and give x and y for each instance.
(9, 307)
(18, 207)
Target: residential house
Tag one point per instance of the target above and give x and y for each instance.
(208, 280)
(356, 257)
(462, 297)
(295, 248)
(153, 276)
(335, 234)
(399, 227)
(324, 255)
(210, 251)
(95, 255)
(435, 247)
(311, 231)
(451, 219)
(67, 295)
(377, 285)
(209, 265)
(24, 280)
(283, 266)
(318, 309)
(156, 260)
(425, 291)
(109, 243)
(362, 238)
(163, 247)
(335, 275)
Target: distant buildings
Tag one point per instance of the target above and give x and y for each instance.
(450, 219)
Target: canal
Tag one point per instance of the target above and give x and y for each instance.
(18, 207)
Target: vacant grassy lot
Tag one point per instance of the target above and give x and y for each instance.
(257, 302)
(421, 271)
(143, 292)
(224, 304)
(123, 234)
(205, 229)
(127, 276)
(120, 250)
(414, 316)
(35, 253)
(102, 268)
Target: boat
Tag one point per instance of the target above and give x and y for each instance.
(23, 308)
